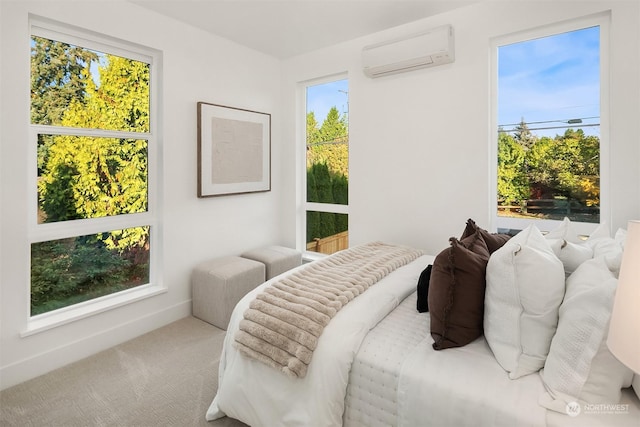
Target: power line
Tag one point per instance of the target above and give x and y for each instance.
(576, 120)
(569, 124)
(550, 127)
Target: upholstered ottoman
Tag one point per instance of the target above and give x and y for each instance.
(217, 286)
(277, 259)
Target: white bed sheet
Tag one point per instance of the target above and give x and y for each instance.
(263, 396)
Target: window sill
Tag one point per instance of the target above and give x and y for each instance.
(63, 316)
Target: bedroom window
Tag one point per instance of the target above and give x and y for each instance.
(550, 125)
(93, 150)
(326, 164)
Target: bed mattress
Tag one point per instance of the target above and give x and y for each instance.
(372, 402)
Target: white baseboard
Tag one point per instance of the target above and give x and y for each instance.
(58, 357)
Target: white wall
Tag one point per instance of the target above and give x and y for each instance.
(419, 142)
(197, 67)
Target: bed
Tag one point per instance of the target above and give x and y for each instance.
(374, 365)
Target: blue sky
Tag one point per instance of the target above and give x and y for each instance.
(320, 98)
(551, 79)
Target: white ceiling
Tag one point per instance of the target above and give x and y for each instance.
(288, 28)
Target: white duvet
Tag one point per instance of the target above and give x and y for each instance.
(260, 395)
(466, 386)
(453, 387)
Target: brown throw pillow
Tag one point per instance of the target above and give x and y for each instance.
(494, 241)
(469, 230)
(456, 292)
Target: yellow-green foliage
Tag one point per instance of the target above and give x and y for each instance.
(90, 177)
(329, 143)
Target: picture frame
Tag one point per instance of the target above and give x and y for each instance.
(234, 150)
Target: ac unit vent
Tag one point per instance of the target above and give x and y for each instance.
(425, 49)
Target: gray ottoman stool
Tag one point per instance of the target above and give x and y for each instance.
(217, 286)
(277, 259)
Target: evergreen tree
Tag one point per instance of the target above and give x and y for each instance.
(313, 132)
(324, 188)
(340, 190)
(341, 197)
(334, 127)
(312, 192)
(59, 75)
(327, 224)
(523, 135)
(313, 217)
(313, 226)
(322, 176)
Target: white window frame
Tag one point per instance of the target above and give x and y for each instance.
(43, 27)
(603, 21)
(302, 205)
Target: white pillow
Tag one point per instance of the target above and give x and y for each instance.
(525, 286)
(571, 248)
(579, 366)
(564, 231)
(567, 231)
(601, 232)
(571, 254)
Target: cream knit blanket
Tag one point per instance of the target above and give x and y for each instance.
(282, 325)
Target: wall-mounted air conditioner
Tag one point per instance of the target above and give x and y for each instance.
(425, 49)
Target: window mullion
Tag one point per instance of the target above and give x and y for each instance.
(79, 227)
(102, 133)
(326, 207)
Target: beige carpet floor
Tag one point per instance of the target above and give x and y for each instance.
(167, 377)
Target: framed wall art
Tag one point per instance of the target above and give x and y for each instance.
(234, 150)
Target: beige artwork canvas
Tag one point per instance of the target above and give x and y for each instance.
(236, 154)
